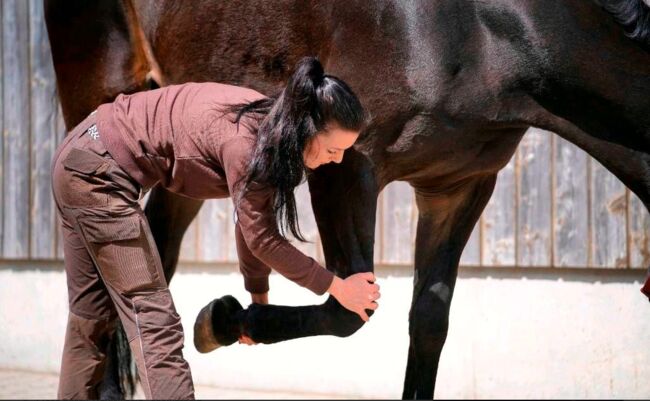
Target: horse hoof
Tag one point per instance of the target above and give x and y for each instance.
(215, 325)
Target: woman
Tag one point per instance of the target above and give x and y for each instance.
(202, 140)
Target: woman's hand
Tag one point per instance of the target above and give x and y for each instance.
(356, 293)
(262, 299)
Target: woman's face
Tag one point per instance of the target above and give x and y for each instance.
(328, 146)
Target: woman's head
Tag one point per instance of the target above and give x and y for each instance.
(313, 121)
(328, 145)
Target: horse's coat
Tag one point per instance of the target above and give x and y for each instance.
(452, 86)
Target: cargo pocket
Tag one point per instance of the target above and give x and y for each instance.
(83, 161)
(80, 185)
(122, 252)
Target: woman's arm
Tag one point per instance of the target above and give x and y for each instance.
(260, 232)
(258, 226)
(255, 272)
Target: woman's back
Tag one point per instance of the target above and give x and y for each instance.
(172, 133)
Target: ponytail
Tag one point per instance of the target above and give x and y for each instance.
(287, 121)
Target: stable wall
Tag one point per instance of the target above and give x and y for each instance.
(514, 333)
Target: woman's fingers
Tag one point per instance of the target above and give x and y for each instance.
(358, 293)
(362, 314)
(244, 339)
(368, 276)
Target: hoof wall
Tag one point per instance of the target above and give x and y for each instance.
(215, 325)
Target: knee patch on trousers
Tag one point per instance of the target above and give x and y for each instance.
(160, 340)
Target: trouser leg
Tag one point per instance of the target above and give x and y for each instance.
(111, 255)
(84, 357)
(124, 252)
(91, 321)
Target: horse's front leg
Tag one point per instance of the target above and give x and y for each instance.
(344, 199)
(445, 223)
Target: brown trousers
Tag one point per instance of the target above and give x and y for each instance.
(113, 270)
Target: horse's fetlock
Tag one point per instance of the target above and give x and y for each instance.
(346, 329)
(345, 323)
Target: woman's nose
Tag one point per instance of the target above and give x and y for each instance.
(338, 158)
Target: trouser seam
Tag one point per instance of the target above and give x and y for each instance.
(144, 360)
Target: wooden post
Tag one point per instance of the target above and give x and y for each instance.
(43, 136)
(534, 186)
(15, 57)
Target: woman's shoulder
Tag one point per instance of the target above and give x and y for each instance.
(242, 142)
(224, 93)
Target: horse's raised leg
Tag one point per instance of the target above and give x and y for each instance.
(445, 222)
(344, 199)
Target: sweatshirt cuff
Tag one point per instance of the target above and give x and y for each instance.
(322, 281)
(257, 285)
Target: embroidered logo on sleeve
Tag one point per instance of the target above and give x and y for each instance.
(92, 131)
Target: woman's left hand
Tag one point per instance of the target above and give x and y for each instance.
(262, 299)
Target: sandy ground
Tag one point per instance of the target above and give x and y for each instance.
(15, 384)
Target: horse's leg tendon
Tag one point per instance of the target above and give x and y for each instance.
(445, 223)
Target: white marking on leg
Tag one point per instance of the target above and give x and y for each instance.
(442, 291)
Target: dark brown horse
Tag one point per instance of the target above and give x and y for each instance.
(452, 85)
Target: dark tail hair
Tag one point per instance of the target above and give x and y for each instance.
(310, 101)
(634, 16)
(120, 375)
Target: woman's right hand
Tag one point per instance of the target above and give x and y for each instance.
(356, 293)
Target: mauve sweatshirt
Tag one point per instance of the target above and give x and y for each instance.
(180, 137)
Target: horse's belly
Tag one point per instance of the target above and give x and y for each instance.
(434, 153)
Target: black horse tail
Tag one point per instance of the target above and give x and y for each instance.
(634, 16)
(120, 375)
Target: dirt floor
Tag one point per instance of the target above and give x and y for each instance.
(15, 384)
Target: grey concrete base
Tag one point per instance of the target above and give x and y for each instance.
(514, 333)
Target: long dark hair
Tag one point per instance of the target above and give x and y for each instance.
(309, 102)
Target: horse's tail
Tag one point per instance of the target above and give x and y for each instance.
(126, 369)
(646, 286)
(120, 375)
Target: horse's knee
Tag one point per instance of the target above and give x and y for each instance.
(429, 318)
(343, 323)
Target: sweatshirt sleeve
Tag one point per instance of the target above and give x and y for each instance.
(258, 226)
(255, 272)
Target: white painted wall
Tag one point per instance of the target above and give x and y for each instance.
(514, 334)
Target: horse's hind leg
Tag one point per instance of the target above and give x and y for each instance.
(631, 166)
(169, 215)
(445, 223)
